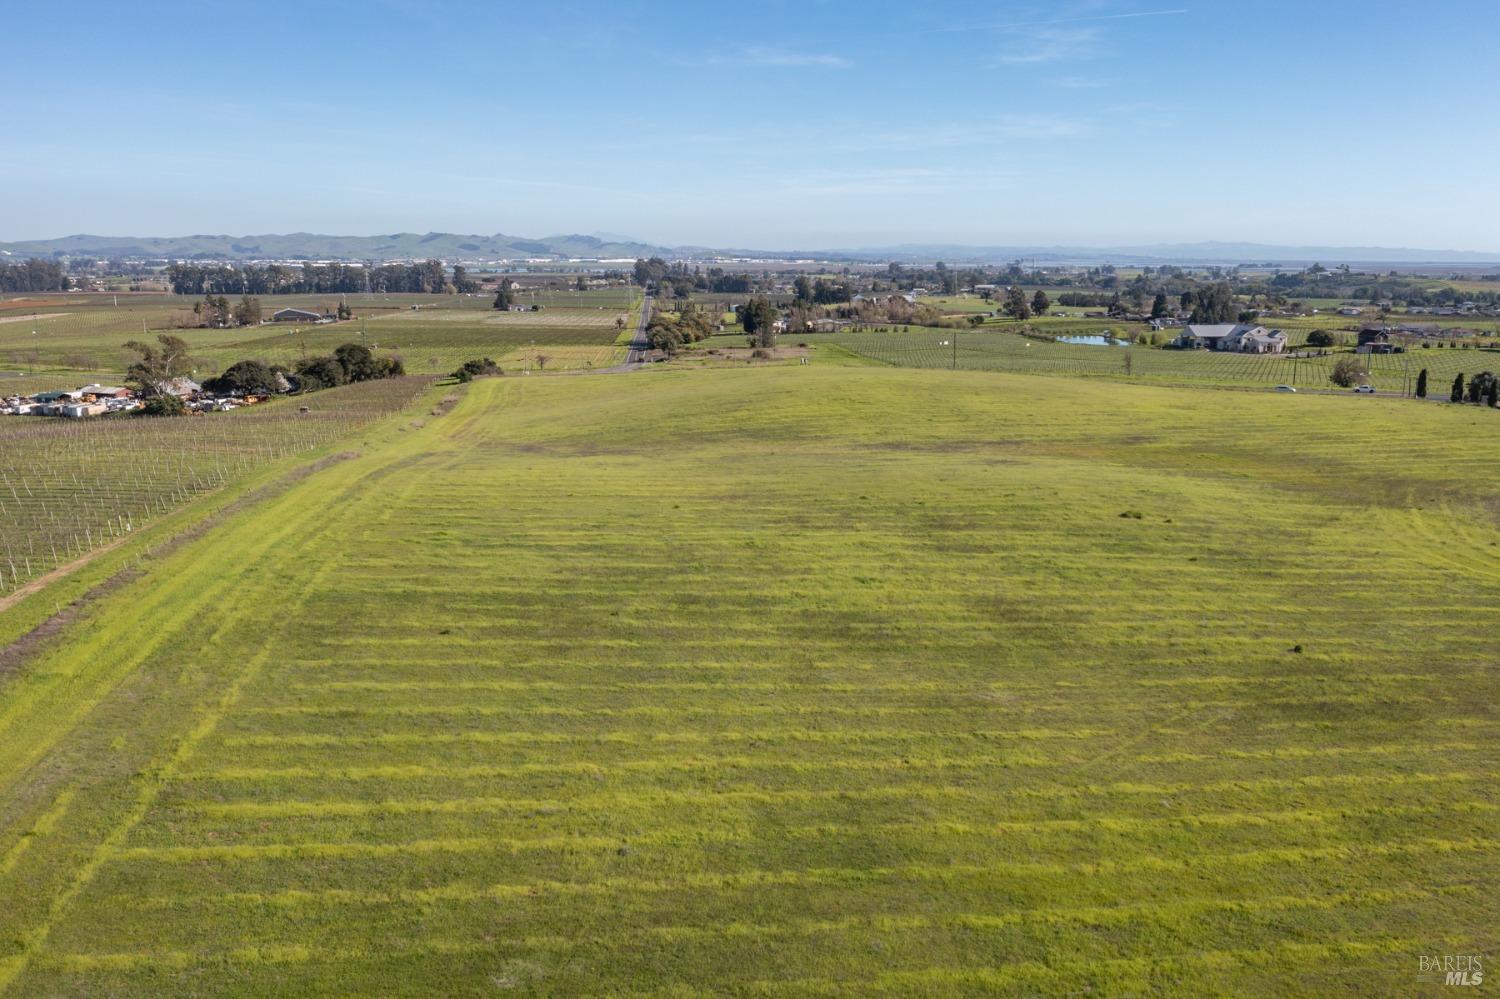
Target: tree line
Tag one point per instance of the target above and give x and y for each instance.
(34, 275)
(667, 333)
(678, 280)
(428, 277)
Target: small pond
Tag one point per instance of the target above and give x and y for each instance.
(1094, 341)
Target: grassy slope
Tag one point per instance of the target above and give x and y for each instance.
(824, 676)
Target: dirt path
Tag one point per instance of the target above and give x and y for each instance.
(41, 582)
(279, 485)
(39, 315)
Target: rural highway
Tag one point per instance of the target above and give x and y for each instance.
(639, 344)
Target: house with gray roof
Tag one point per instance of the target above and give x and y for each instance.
(1239, 338)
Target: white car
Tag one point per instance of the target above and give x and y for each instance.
(1365, 390)
(1285, 388)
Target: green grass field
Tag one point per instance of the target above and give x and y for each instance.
(74, 335)
(992, 350)
(792, 680)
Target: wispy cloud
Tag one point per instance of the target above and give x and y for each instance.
(1053, 45)
(1013, 25)
(765, 56)
(1079, 83)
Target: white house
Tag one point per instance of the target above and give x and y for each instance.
(1240, 338)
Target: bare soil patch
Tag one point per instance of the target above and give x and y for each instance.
(746, 353)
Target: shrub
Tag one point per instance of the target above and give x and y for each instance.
(163, 405)
(249, 377)
(1346, 372)
(358, 363)
(319, 373)
(475, 368)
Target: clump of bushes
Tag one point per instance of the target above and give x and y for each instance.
(476, 368)
(162, 405)
(250, 377)
(348, 363)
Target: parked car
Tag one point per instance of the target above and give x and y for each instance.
(1285, 388)
(1365, 389)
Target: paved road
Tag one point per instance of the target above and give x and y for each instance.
(639, 344)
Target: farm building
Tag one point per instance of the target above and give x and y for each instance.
(294, 316)
(103, 392)
(1241, 338)
(1377, 342)
(183, 387)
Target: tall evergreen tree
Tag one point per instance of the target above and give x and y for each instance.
(1457, 395)
(1016, 305)
(1422, 384)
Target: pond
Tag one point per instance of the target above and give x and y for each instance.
(1095, 341)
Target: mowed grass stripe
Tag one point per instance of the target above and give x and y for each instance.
(648, 798)
(923, 788)
(1004, 836)
(1095, 914)
(1060, 688)
(1092, 917)
(668, 737)
(420, 771)
(585, 844)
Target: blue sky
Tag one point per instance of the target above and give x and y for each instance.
(815, 123)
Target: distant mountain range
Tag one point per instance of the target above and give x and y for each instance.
(312, 246)
(454, 246)
(1179, 253)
